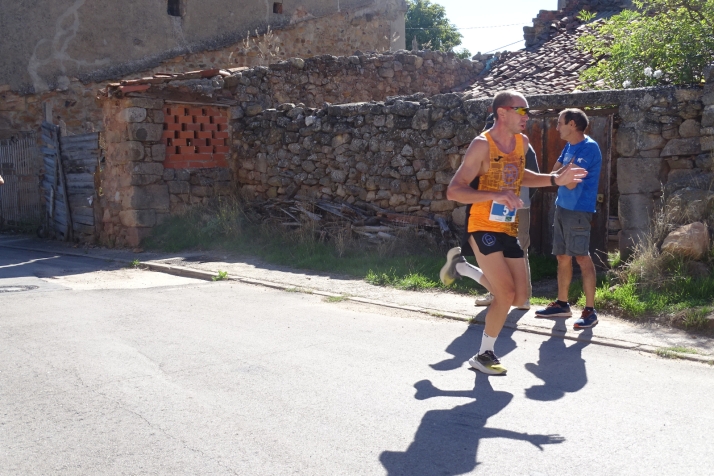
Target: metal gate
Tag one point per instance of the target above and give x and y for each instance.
(20, 196)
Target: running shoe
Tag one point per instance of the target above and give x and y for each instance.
(587, 320)
(554, 310)
(525, 306)
(448, 272)
(484, 300)
(487, 363)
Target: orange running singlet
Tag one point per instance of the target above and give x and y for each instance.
(505, 172)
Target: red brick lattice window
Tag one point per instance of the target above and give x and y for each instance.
(195, 137)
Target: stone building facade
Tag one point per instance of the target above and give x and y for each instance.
(81, 47)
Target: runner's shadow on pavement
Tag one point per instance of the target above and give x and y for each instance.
(560, 366)
(447, 441)
(467, 345)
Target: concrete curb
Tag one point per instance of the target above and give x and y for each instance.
(186, 272)
(620, 344)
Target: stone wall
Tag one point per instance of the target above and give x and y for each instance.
(357, 78)
(666, 144)
(139, 188)
(401, 154)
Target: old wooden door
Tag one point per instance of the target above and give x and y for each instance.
(546, 141)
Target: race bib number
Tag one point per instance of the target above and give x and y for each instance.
(502, 213)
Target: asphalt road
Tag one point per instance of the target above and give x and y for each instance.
(113, 371)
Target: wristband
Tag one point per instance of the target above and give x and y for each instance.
(552, 180)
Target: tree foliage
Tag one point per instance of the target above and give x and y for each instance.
(427, 21)
(659, 42)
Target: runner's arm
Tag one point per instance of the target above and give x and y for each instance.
(566, 176)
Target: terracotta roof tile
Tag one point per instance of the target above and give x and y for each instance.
(548, 68)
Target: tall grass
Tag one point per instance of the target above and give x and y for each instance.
(656, 284)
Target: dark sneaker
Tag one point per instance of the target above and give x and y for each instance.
(448, 272)
(487, 363)
(587, 320)
(554, 310)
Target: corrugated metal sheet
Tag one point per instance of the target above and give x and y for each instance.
(71, 164)
(54, 184)
(20, 197)
(80, 159)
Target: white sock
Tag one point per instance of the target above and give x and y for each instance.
(487, 343)
(469, 270)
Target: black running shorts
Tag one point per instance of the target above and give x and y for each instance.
(490, 242)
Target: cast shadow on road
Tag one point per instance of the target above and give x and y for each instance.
(560, 367)
(35, 264)
(467, 344)
(447, 441)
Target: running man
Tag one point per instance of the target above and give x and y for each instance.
(524, 226)
(497, 158)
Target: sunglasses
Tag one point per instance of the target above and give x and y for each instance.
(523, 111)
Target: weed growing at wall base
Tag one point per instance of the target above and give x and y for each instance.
(221, 276)
(409, 261)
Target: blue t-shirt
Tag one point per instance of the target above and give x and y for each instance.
(583, 197)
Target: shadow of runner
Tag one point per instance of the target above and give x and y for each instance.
(561, 367)
(446, 442)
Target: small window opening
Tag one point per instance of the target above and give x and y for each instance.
(278, 7)
(174, 8)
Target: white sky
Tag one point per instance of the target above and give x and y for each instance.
(485, 13)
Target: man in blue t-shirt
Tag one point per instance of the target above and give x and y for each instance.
(574, 208)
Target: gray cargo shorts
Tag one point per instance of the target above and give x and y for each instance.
(571, 232)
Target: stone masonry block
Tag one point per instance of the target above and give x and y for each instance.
(420, 121)
(130, 151)
(442, 206)
(647, 141)
(158, 152)
(689, 146)
(147, 168)
(708, 116)
(145, 103)
(145, 132)
(138, 218)
(638, 175)
(626, 141)
(707, 143)
(132, 114)
(151, 197)
(179, 187)
(689, 128)
(635, 211)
